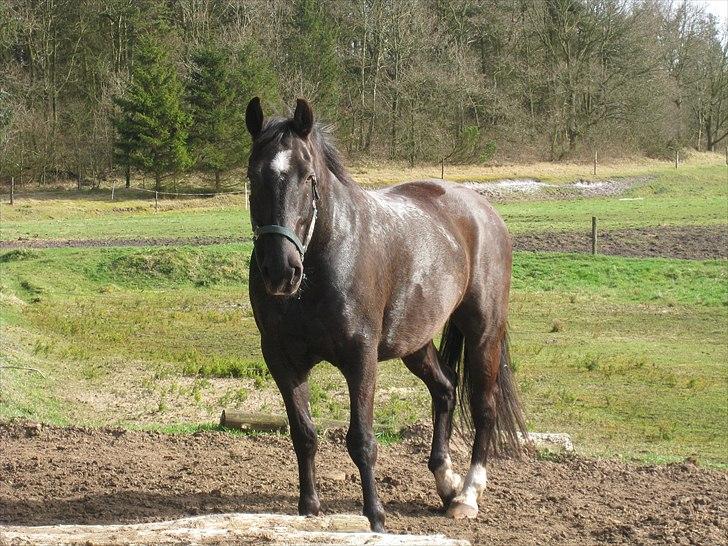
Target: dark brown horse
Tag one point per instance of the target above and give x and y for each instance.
(355, 277)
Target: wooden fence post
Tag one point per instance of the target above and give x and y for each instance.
(113, 187)
(156, 201)
(12, 190)
(677, 158)
(246, 195)
(594, 236)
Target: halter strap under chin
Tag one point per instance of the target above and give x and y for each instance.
(288, 233)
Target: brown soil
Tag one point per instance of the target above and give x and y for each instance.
(686, 242)
(69, 475)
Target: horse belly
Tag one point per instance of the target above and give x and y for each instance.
(416, 314)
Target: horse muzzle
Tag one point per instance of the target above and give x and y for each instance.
(280, 266)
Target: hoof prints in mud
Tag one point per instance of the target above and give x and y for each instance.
(70, 475)
(684, 242)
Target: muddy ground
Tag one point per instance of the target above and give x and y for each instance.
(527, 189)
(685, 242)
(61, 475)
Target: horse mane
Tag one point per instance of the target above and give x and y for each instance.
(276, 129)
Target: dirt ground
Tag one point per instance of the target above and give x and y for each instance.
(68, 475)
(526, 189)
(685, 242)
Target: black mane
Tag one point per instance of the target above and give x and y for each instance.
(276, 129)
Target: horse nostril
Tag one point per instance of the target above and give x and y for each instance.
(297, 273)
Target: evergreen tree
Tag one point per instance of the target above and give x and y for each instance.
(318, 70)
(152, 126)
(217, 129)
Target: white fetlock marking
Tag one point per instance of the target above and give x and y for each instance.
(446, 480)
(475, 482)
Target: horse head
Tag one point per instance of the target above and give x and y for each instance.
(282, 171)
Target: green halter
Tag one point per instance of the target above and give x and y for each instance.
(288, 233)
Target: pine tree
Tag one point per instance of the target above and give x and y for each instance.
(217, 129)
(151, 125)
(315, 57)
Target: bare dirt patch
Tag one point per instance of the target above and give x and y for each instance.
(522, 189)
(685, 242)
(68, 475)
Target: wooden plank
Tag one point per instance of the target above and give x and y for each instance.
(243, 529)
(263, 422)
(555, 442)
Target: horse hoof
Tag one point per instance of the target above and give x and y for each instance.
(310, 508)
(460, 510)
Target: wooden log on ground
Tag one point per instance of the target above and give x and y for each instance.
(241, 529)
(263, 422)
(554, 442)
(255, 422)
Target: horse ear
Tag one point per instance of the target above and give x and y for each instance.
(303, 118)
(254, 117)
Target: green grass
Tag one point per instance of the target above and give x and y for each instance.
(634, 368)
(660, 281)
(694, 194)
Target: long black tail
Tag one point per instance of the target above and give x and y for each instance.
(509, 419)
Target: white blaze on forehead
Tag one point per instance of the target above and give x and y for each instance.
(281, 162)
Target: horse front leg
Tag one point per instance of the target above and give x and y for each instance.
(360, 440)
(293, 385)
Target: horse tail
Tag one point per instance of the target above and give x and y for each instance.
(510, 423)
(452, 356)
(509, 429)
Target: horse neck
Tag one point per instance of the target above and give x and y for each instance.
(338, 209)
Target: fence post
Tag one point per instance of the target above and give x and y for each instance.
(12, 190)
(113, 187)
(595, 162)
(594, 236)
(156, 201)
(677, 158)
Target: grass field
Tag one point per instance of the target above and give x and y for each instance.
(694, 194)
(627, 355)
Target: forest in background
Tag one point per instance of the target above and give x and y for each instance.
(96, 88)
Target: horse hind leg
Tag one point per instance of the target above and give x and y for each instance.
(440, 381)
(496, 415)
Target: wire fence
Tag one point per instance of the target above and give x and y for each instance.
(156, 193)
